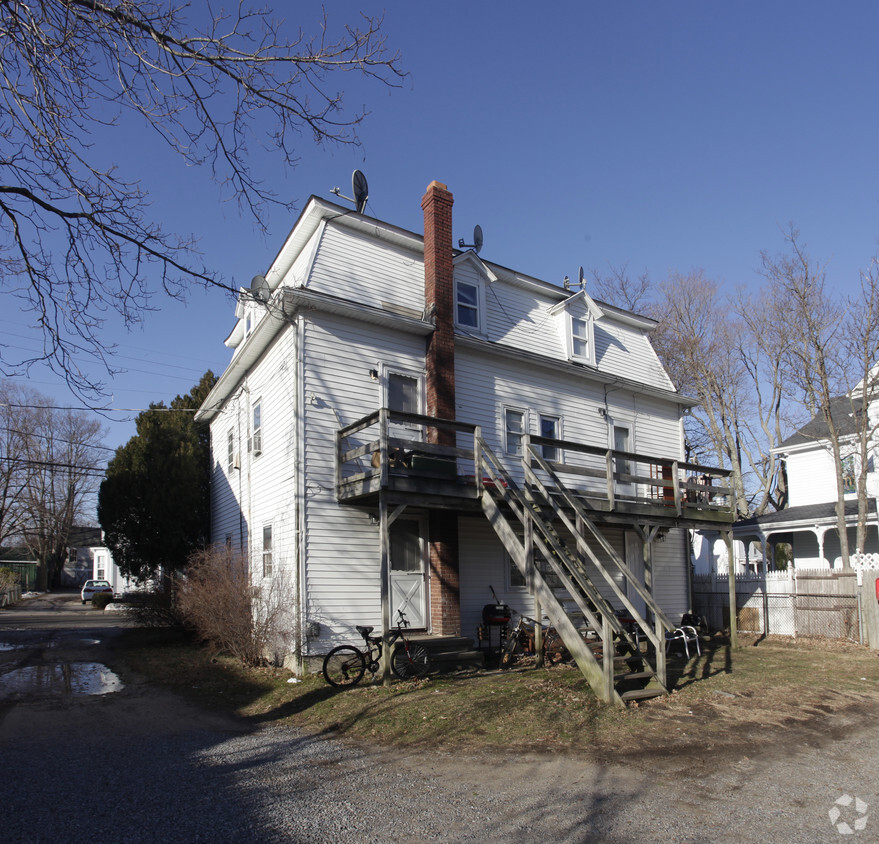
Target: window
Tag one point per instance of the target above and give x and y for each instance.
(514, 430)
(267, 551)
(621, 442)
(256, 440)
(579, 338)
(848, 473)
(550, 427)
(228, 541)
(230, 450)
(515, 578)
(405, 546)
(403, 393)
(466, 305)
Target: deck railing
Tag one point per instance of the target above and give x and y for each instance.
(389, 444)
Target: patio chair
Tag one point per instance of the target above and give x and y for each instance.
(685, 634)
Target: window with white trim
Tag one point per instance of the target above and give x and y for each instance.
(551, 427)
(580, 345)
(230, 450)
(467, 297)
(267, 551)
(256, 438)
(514, 430)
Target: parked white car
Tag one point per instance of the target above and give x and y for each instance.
(94, 587)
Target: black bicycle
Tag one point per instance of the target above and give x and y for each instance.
(520, 640)
(346, 664)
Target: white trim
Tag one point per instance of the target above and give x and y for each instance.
(526, 427)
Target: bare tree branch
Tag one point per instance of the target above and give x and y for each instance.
(77, 244)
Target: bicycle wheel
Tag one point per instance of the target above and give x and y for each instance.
(508, 653)
(410, 661)
(344, 666)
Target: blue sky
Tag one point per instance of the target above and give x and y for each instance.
(664, 136)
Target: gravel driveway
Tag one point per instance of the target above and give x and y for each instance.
(142, 765)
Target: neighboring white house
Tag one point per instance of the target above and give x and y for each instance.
(809, 522)
(376, 440)
(88, 558)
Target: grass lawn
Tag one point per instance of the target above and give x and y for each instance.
(718, 699)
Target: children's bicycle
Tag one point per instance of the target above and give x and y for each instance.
(346, 664)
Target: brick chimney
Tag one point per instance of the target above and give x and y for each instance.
(439, 300)
(439, 361)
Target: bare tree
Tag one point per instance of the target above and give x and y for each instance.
(817, 370)
(15, 469)
(77, 242)
(860, 348)
(63, 458)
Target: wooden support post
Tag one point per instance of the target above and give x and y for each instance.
(384, 531)
(477, 459)
(731, 568)
(383, 447)
(661, 669)
(607, 651)
(610, 486)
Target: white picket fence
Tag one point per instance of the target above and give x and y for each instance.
(813, 602)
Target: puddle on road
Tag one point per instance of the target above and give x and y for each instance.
(73, 643)
(76, 678)
(63, 643)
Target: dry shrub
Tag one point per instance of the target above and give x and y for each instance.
(232, 614)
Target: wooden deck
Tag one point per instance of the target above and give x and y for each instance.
(434, 463)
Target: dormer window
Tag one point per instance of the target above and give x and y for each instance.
(467, 305)
(575, 322)
(580, 344)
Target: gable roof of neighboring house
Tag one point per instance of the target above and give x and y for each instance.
(85, 537)
(842, 410)
(17, 554)
(823, 513)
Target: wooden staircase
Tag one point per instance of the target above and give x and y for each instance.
(550, 536)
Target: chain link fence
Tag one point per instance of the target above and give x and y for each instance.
(822, 603)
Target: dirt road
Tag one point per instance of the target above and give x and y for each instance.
(136, 763)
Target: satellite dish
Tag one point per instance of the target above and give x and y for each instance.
(582, 278)
(477, 240)
(259, 288)
(360, 188)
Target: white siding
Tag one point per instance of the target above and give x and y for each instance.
(342, 547)
(262, 490)
(811, 477)
(360, 269)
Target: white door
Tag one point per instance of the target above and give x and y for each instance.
(407, 562)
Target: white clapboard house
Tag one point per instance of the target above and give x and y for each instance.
(809, 523)
(404, 424)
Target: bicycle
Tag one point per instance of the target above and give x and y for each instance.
(345, 665)
(521, 638)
